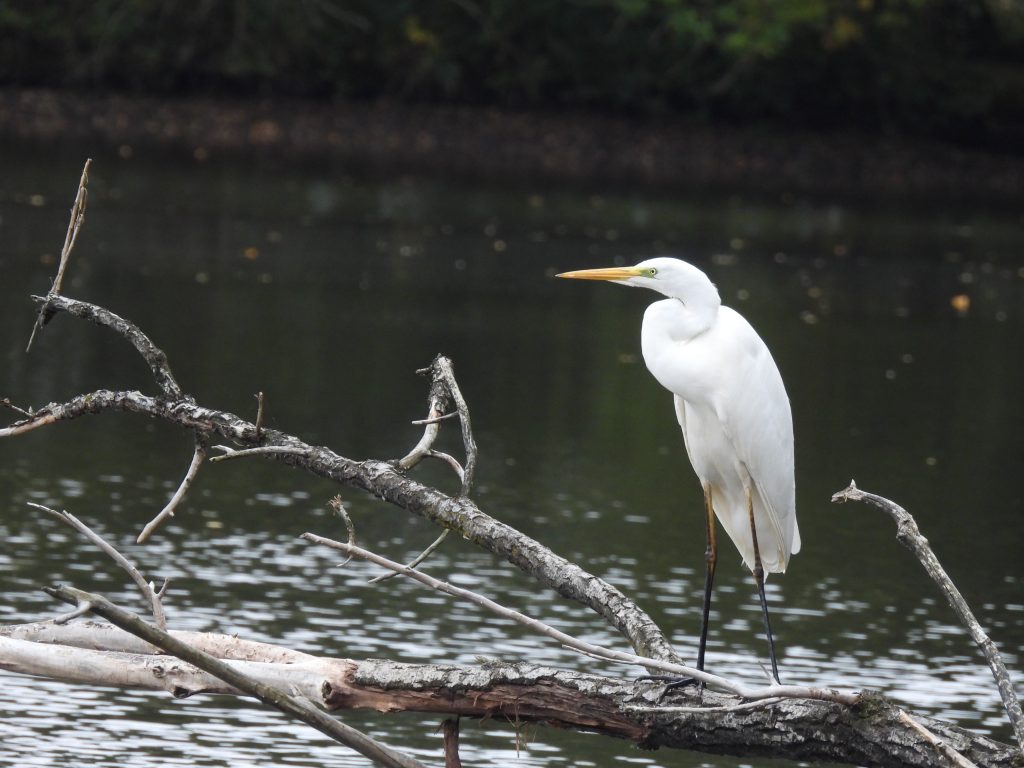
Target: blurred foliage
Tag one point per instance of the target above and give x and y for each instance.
(951, 68)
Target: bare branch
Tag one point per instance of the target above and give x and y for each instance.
(74, 225)
(436, 419)
(32, 421)
(386, 482)
(294, 706)
(759, 704)
(97, 635)
(444, 370)
(450, 729)
(263, 450)
(438, 401)
(713, 681)
(259, 416)
(151, 353)
(908, 534)
(451, 461)
(83, 608)
(815, 731)
(339, 507)
(433, 427)
(6, 403)
(415, 561)
(942, 747)
(172, 505)
(444, 388)
(149, 592)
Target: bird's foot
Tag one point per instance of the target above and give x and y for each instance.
(672, 682)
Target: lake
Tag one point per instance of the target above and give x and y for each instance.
(898, 327)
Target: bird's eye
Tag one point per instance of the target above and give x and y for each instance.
(651, 272)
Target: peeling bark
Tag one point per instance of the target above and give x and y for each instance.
(867, 735)
(872, 732)
(385, 481)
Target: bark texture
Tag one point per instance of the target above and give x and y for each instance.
(869, 734)
(386, 481)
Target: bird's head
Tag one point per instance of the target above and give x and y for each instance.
(672, 277)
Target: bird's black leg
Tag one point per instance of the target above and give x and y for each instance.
(710, 561)
(759, 580)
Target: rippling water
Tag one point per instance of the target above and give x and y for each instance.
(327, 291)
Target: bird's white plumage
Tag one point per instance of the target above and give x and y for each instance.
(730, 403)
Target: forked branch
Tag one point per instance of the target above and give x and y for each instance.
(293, 706)
(909, 535)
(186, 483)
(589, 649)
(74, 226)
(149, 592)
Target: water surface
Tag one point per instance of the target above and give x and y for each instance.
(326, 289)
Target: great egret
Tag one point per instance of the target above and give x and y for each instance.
(732, 407)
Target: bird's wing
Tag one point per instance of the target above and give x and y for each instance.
(680, 406)
(755, 415)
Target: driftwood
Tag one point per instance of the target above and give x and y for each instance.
(870, 733)
(799, 723)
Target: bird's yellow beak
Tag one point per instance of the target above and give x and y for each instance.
(608, 273)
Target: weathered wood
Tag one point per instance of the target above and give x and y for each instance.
(872, 733)
(910, 536)
(284, 698)
(868, 735)
(385, 481)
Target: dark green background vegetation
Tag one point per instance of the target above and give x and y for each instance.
(945, 68)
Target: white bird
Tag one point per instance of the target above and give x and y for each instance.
(734, 412)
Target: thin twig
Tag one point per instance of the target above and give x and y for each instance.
(713, 681)
(442, 389)
(415, 561)
(746, 705)
(432, 428)
(295, 706)
(451, 461)
(443, 368)
(339, 507)
(947, 751)
(74, 225)
(149, 592)
(259, 416)
(179, 494)
(445, 388)
(910, 536)
(8, 404)
(83, 608)
(231, 453)
(27, 425)
(435, 420)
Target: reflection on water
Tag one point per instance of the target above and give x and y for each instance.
(327, 291)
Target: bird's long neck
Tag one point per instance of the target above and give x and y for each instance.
(670, 320)
(669, 323)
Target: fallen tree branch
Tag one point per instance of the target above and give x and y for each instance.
(589, 649)
(94, 635)
(909, 535)
(870, 734)
(386, 482)
(149, 592)
(291, 705)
